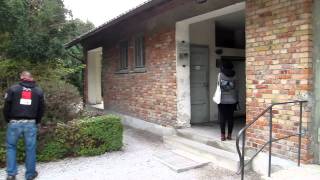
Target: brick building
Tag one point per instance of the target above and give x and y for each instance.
(158, 64)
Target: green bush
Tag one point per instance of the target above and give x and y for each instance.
(63, 101)
(2, 121)
(84, 137)
(97, 141)
(2, 147)
(52, 151)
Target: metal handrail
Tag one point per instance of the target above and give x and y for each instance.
(242, 133)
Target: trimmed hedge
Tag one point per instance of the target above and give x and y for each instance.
(84, 137)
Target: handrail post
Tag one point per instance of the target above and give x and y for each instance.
(300, 131)
(243, 154)
(271, 139)
(270, 142)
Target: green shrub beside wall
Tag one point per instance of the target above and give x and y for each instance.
(2, 147)
(2, 121)
(85, 137)
(63, 101)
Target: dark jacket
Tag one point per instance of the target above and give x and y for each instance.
(24, 101)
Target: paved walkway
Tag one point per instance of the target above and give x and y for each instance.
(135, 162)
(308, 172)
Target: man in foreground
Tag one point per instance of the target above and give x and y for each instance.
(23, 110)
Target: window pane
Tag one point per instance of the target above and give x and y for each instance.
(123, 55)
(142, 52)
(139, 52)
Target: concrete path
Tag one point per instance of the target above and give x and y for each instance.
(135, 162)
(308, 172)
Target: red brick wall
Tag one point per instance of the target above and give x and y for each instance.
(150, 96)
(279, 69)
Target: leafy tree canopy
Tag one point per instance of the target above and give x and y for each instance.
(32, 37)
(37, 29)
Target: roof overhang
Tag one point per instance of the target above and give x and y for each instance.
(141, 8)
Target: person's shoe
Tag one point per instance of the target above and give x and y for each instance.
(223, 137)
(11, 177)
(34, 176)
(229, 137)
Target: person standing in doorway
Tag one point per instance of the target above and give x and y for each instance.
(229, 99)
(23, 110)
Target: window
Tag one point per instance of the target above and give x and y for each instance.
(139, 52)
(123, 55)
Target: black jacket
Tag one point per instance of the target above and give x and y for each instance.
(24, 101)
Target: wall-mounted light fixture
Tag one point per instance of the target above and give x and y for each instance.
(201, 1)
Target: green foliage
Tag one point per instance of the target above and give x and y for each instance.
(10, 69)
(1, 108)
(52, 151)
(4, 15)
(36, 36)
(100, 135)
(2, 155)
(74, 55)
(91, 136)
(21, 152)
(35, 31)
(2, 145)
(84, 137)
(63, 102)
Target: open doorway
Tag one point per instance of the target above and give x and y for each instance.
(213, 41)
(94, 69)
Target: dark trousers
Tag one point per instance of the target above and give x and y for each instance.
(226, 116)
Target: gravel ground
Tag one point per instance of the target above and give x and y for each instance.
(134, 162)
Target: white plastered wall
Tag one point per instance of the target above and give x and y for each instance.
(94, 59)
(183, 62)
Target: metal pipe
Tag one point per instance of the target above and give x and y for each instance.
(270, 145)
(265, 144)
(290, 102)
(243, 131)
(254, 120)
(300, 131)
(285, 137)
(239, 152)
(243, 154)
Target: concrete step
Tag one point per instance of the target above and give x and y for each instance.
(180, 161)
(208, 140)
(219, 156)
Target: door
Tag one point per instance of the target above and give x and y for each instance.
(199, 84)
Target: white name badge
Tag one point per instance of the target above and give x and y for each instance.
(25, 102)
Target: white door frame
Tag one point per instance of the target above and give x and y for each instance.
(183, 60)
(94, 68)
